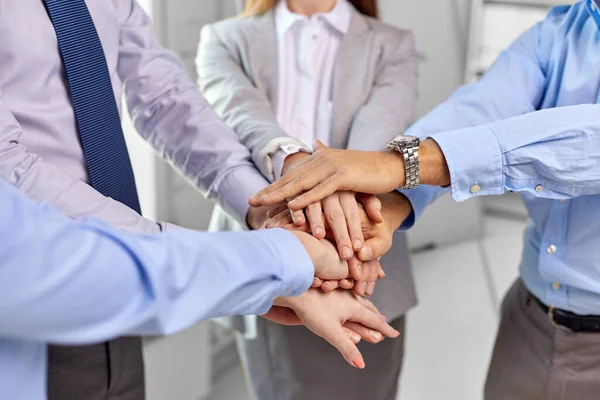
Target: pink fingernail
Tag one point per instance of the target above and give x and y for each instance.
(359, 362)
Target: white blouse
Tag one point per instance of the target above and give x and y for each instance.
(308, 48)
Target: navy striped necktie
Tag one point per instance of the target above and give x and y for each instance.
(96, 111)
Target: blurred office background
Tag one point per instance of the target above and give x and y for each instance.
(465, 255)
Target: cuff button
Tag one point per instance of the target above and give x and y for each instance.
(475, 188)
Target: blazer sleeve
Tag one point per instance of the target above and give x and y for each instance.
(389, 109)
(234, 96)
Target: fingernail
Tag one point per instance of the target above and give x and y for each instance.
(397, 333)
(357, 244)
(354, 337)
(359, 362)
(316, 282)
(359, 270)
(376, 335)
(366, 252)
(363, 288)
(253, 198)
(371, 288)
(346, 252)
(318, 231)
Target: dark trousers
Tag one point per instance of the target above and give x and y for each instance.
(109, 371)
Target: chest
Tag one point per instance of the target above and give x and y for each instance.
(29, 54)
(572, 73)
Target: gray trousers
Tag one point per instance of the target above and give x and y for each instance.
(533, 360)
(106, 371)
(291, 363)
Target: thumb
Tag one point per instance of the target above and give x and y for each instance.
(374, 248)
(319, 145)
(372, 206)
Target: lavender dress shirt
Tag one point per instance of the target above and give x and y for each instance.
(40, 150)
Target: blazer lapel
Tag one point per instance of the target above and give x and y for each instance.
(350, 78)
(266, 58)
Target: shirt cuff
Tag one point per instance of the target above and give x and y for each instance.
(281, 155)
(474, 158)
(297, 269)
(272, 149)
(419, 199)
(235, 190)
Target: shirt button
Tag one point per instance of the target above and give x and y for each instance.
(551, 249)
(539, 188)
(555, 285)
(475, 188)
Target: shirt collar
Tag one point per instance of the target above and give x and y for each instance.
(338, 18)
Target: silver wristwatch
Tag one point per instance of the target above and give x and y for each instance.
(409, 147)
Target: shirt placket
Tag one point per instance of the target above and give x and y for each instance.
(553, 252)
(309, 36)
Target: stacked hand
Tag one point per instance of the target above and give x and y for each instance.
(360, 227)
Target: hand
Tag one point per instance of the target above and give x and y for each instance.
(289, 163)
(327, 263)
(328, 171)
(326, 314)
(338, 213)
(378, 240)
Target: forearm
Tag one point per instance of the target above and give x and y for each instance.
(56, 274)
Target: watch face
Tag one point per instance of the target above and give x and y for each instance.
(405, 139)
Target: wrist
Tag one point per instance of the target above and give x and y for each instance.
(395, 162)
(395, 208)
(292, 160)
(434, 169)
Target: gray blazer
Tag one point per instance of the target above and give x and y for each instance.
(373, 101)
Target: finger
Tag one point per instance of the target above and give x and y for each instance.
(372, 206)
(317, 189)
(372, 320)
(337, 222)
(347, 284)
(273, 211)
(355, 268)
(314, 214)
(375, 248)
(330, 286)
(381, 273)
(302, 178)
(268, 192)
(363, 332)
(355, 337)
(317, 282)
(279, 220)
(337, 337)
(351, 213)
(361, 287)
(373, 278)
(369, 305)
(298, 217)
(331, 267)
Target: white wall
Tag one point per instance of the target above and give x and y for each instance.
(441, 30)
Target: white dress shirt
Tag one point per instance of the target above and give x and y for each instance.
(308, 48)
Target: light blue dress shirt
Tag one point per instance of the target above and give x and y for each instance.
(81, 282)
(532, 125)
